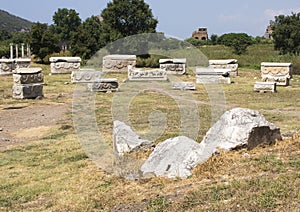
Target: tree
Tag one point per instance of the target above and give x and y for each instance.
(122, 18)
(88, 39)
(237, 41)
(42, 41)
(66, 22)
(286, 34)
(214, 39)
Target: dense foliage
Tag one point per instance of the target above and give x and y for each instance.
(286, 34)
(237, 41)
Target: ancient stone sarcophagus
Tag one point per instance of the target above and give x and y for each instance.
(118, 63)
(173, 66)
(28, 83)
(208, 75)
(86, 76)
(263, 87)
(150, 75)
(281, 73)
(7, 66)
(22, 62)
(225, 64)
(183, 86)
(64, 65)
(104, 85)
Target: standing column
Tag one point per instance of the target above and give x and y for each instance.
(28, 51)
(17, 55)
(11, 51)
(22, 50)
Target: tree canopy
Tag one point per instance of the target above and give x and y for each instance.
(238, 41)
(122, 18)
(286, 34)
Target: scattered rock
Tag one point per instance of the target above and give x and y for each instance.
(66, 83)
(126, 140)
(1, 129)
(239, 128)
(175, 157)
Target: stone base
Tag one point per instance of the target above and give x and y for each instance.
(265, 87)
(284, 81)
(214, 76)
(27, 91)
(183, 86)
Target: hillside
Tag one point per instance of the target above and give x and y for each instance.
(13, 23)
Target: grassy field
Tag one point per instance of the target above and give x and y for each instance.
(53, 173)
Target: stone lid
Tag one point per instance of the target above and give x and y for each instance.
(6, 60)
(27, 71)
(222, 62)
(65, 59)
(119, 57)
(265, 83)
(174, 60)
(276, 64)
(210, 71)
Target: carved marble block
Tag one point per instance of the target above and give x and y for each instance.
(118, 63)
(265, 87)
(208, 75)
(7, 66)
(86, 76)
(28, 76)
(27, 91)
(150, 75)
(64, 65)
(183, 86)
(281, 73)
(22, 62)
(104, 85)
(225, 64)
(173, 66)
(28, 83)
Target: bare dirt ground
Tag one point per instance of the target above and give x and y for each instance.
(23, 123)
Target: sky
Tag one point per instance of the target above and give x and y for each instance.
(177, 18)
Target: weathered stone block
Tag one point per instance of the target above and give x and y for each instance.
(225, 64)
(7, 66)
(118, 63)
(64, 65)
(28, 76)
(207, 76)
(265, 87)
(281, 73)
(27, 91)
(22, 62)
(173, 66)
(86, 76)
(150, 75)
(104, 85)
(183, 86)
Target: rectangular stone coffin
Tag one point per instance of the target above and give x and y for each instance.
(104, 85)
(64, 65)
(23, 62)
(86, 76)
(27, 91)
(183, 86)
(173, 66)
(7, 66)
(150, 75)
(28, 76)
(208, 76)
(281, 73)
(118, 63)
(225, 64)
(265, 87)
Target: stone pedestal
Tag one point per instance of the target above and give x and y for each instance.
(173, 66)
(208, 76)
(281, 73)
(28, 83)
(7, 66)
(104, 85)
(118, 63)
(64, 65)
(263, 87)
(225, 64)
